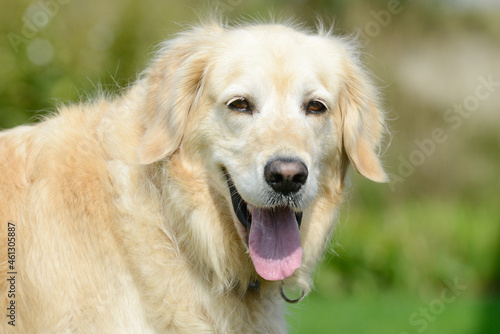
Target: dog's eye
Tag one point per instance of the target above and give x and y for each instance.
(315, 107)
(241, 105)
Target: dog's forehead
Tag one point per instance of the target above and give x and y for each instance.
(279, 56)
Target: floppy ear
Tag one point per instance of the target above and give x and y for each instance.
(362, 122)
(172, 84)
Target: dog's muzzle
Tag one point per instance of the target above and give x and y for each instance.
(273, 235)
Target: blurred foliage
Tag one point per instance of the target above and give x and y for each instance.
(397, 243)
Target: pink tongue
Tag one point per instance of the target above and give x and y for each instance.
(274, 242)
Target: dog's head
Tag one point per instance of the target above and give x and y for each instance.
(273, 115)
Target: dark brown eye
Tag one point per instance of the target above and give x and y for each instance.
(315, 107)
(241, 105)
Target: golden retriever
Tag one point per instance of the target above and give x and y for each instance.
(188, 202)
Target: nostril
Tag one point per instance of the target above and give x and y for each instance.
(286, 175)
(301, 177)
(274, 177)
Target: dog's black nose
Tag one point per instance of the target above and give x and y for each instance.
(286, 175)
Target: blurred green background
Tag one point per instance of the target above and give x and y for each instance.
(418, 255)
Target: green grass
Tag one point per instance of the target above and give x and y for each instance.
(391, 313)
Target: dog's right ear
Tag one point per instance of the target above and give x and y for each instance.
(172, 84)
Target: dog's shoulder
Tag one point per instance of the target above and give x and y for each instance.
(63, 153)
(56, 190)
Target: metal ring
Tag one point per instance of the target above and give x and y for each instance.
(291, 301)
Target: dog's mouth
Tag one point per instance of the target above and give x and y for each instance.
(273, 236)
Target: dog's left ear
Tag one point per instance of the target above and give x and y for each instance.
(172, 84)
(362, 121)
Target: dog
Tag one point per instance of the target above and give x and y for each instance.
(189, 201)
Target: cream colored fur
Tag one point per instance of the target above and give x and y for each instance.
(123, 217)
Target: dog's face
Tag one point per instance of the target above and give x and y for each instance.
(273, 127)
(274, 121)
(274, 113)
